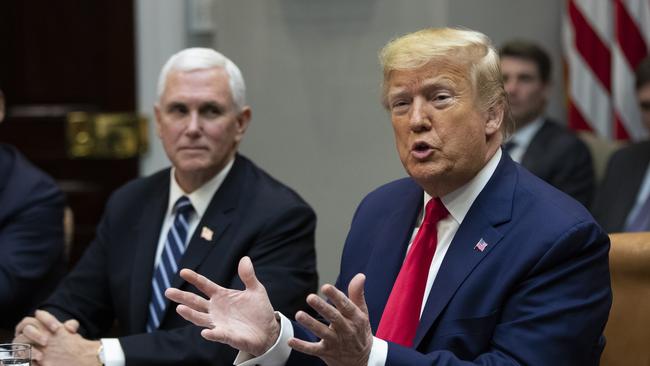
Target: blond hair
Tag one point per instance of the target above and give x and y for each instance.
(464, 47)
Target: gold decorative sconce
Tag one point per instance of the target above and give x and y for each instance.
(106, 135)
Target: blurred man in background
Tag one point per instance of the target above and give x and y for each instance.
(540, 144)
(623, 200)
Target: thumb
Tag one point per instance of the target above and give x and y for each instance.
(247, 274)
(71, 325)
(356, 292)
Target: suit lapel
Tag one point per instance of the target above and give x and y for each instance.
(146, 233)
(387, 256)
(217, 219)
(492, 207)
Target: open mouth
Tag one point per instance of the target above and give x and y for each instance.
(421, 150)
(421, 146)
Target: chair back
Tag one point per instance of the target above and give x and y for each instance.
(628, 326)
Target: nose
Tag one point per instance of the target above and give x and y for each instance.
(194, 125)
(419, 119)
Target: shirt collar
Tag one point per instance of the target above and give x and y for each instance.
(524, 135)
(459, 201)
(202, 196)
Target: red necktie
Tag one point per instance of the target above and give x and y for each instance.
(402, 312)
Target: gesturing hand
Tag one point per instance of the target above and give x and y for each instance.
(348, 338)
(242, 319)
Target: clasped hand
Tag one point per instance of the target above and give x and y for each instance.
(245, 319)
(55, 343)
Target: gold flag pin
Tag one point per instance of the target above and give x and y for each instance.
(207, 233)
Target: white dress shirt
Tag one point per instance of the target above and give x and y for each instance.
(522, 138)
(458, 204)
(200, 199)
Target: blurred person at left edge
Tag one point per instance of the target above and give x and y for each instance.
(31, 234)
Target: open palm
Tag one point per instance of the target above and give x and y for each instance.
(242, 319)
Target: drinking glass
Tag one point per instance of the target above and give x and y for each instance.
(17, 354)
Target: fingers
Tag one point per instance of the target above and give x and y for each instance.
(188, 299)
(319, 329)
(35, 335)
(197, 318)
(342, 303)
(357, 293)
(25, 322)
(71, 325)
(214, 335)
(37, 355)
(204, 285)
(310, 348)
(48, 320)
(247, 274)
(329, 312)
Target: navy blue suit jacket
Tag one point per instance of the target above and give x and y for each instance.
(620, 186)
(561, 158)
(539, 294)
(250, 214)
(31, 236)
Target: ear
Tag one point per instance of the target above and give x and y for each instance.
(494, 119)
(243, 119)
(158, 114)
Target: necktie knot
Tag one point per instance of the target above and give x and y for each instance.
(435, 211)
(183, 207)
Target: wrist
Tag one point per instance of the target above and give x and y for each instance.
(274, 334)
(98, 354)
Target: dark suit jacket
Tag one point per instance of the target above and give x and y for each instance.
(559, 157)
(251, 214)
(31, 236)
(620, 186)
(539, 294)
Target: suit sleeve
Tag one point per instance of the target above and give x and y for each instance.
(31, 243)
(284, 258)
(84, 294)
(554, 316)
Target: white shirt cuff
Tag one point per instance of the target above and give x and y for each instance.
(378, 352)
(113, 352)
(277, 355)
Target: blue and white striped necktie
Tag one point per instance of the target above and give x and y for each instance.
(169, 259)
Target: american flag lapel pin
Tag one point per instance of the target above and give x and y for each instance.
(481, 245)
(207, 233)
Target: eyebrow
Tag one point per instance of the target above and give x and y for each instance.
(212, 104)
(442, 82)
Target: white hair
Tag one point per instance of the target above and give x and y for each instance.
(198, 58)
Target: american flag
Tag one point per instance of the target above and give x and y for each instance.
(604, 41)
(481, 245)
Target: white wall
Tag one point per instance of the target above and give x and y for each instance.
(313, 82)
(160, 32)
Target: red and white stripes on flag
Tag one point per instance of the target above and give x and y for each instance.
(604, 41)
